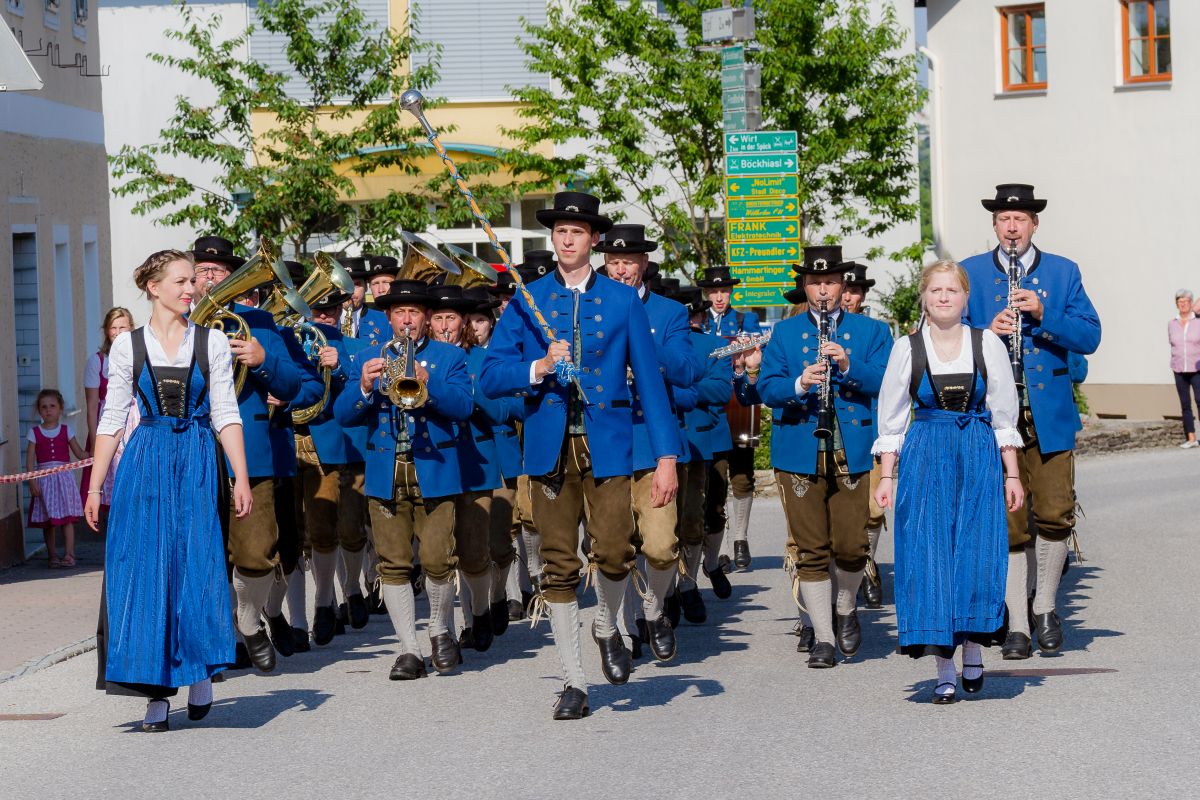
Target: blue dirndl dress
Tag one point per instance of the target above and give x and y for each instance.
(951, 534)
(165, 586)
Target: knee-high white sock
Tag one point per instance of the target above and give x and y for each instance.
(533, 551)
(296, 606)
(608, 600)
(512, 581)
(354, 563)
(691, 555)
(200, 693)
(463, 593)
(658, 583)
(873, 538)
(252, 595)
(1014, 593)
(564, 623)
(738, 509)
(631, 606)
(712, 550)
(324, 566)
(972, 660)
(1051, 556)
(817, 596)
(481, 593)
(441, 606)
(847, 589)
(1030, 569)
(945, 674)
(274, 605)
(402, 610)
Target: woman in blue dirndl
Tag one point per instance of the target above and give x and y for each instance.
(165, 608)
(958, 473)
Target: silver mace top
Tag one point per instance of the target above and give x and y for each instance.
(413, 102)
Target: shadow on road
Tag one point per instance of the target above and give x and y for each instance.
(647, 690)
(244, 712)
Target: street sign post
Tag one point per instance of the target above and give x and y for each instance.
(760, 142)
(762, 186)
(764, 164)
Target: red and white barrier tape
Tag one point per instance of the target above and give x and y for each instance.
(41, 473)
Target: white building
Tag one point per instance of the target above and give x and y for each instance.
(1065, 95)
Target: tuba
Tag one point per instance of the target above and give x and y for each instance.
(423, 262)
(475, 271)
(266, 266)
(398, 381)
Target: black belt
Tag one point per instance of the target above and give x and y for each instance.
(705, 428)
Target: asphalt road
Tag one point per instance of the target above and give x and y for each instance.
(737, 714)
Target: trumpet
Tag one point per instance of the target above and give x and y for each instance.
(741, 345)
(398, 381)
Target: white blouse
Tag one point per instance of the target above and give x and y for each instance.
(221, 397)
(94, 371)
(895, 403)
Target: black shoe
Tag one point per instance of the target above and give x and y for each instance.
(281, 635)
(942, 699)
(375, 605)
(359, 612)
(446, 653)
(872, 590)
(324, 625)
(724, 564)
(821, 656)
(343, 619)
(482, 635)
(408, 667)
(1049, 632)
(808, 638)
(661, 638)
(1016, 647)
(972, 685)
(516, 609)
(741, 555)
(693, 606)
(635, 643)
(615, 660)
(672, 609)
(241, 658)
(572, 704)
(300, 640)
(197, 713)
(260, 650)
(499, 611)
(720, 583)
(849, 634)
(158, 727)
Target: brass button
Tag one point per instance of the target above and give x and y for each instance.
(422, 419)
(804, 350)
(600, 406)
(599, 334)
(428, 449)
(1041, 386)
(425, 434)
(599, 318)
(553, 314)
(599, 388)
(639, 412)
(804, 336)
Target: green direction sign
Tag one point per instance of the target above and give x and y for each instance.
(743, 164)
(760, 141)
(747, 296)
(758, 230)
(776, 274)
(762, 253)
(733, 78)
(777, 186)
(733, 98)
(734, 120)
(765, 208)
(734, 56)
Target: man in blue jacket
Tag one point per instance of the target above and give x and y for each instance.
(359, 320)
(1057, 321)
(412, 474)
(579, 429)
(823, 482)
(626, 249)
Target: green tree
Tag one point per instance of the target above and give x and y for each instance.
(289, 180)
(643, 98)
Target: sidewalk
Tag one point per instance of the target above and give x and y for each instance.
(44, 610)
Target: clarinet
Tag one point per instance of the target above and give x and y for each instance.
(825, 393)
(1015, 341)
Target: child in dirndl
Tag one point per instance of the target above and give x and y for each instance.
(56, 506)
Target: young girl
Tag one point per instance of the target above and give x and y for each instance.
(959, 466)
(165, 609)
(95, 388)
(56, 506)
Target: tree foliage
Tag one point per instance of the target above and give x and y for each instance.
(640, 98)
(291, 177)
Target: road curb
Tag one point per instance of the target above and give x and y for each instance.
(50, 659)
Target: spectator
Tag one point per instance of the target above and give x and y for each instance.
(1184, 335)
(95, 387)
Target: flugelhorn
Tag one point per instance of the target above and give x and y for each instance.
(399, 382)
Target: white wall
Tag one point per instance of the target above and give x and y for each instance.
(1117, 164)
(139, 98)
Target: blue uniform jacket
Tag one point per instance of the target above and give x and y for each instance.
(615, 333)
(727, 325)
(337, 443)
(1069, 325)
(479, 452)
(373, 327)
(703, 403)
(793, 347)
(677, 363)
(506, 416)
(431, 428)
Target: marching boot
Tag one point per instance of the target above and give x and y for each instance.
(615, 660)
(407, 667)
(673, 608)
(807, 638)
(661, 618)
(260, 650)
(499, 604)
(252, 594)
(816, 597)
(281, 635)
(296, 609)
(693, 605)
(738, 508)
(446, 653)
(712, 566)
(324, 568)
(480, 591)
(324, 625)
(872, 587)
(342, 619)
(1051, 556)
(661, 637)
(849, 633)
(359, 612)
(1016, 647)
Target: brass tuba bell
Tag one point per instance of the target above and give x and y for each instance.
(422, 261)
(474, 270)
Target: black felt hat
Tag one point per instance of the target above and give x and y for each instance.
(626, 239)
(216, 249)
(856, 275)
(1014, 197)
(667, 287)
(334, 299)
(381, 265)
(537, 264)
(820, 259)
(482, 297)
(450, 298)
(576, 207)
(718, 278)
(296, 272)
(356, 265)
(692, 299)
(404, 292)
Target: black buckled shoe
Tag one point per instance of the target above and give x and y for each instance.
(300, 640)
(1049, 632)
(615, 661)
(721, 586)
(572, 704)
(360, 613)
(849, 633)
(822, 656)
(481, 632)
(942, 699)
(281, 635)
(516, 608)
(872, 588)
(808, 638)
(260, 650)
(693, 606)
(972, 685)
(672, 608)
(499, 611)
(408, 667)
(324, 625)
(446, 653)
(741, 554)
(1016, 647)
(661, 638)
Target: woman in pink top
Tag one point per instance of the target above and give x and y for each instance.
(1184, 335)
